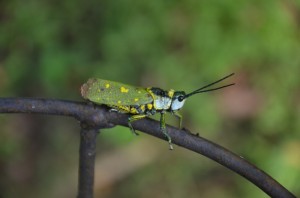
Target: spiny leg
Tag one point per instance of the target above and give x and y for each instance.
(163, 129)
(132, 119)
(179, 116)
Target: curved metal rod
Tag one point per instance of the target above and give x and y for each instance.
(97, 117)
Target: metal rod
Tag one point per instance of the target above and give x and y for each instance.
(87, 154)
(99, 117)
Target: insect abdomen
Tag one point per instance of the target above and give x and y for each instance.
(146, 109)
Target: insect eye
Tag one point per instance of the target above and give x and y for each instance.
(180, 98)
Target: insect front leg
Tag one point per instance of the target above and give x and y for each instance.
(179, 116)
(163, 129)
(132, 119)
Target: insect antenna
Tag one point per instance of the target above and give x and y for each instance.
(202, 89)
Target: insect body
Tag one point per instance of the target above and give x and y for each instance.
(140, 102)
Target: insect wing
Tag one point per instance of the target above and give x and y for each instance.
(113, 93)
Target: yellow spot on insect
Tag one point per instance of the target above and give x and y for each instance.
(119, 102)
(124, 90)
(171, 93)
(136, 99)
(107, 85)
(133, 110)
(149, 106)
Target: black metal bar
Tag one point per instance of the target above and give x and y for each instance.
(99, 117)
(87, 154)
(215, 152)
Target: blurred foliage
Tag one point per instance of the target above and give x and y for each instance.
(49, 48)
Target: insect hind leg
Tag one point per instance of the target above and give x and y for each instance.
(132, 119)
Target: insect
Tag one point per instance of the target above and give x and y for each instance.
(141, 102)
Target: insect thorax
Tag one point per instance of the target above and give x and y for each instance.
(161, 99)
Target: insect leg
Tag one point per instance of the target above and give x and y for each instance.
(163, 129)
(179, 116)
(132, 119)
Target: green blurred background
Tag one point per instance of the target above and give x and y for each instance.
(49, 48)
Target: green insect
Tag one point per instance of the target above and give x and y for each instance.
(140, 102)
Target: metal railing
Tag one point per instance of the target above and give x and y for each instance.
(93, 118)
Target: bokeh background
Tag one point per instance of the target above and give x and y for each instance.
(49, 48)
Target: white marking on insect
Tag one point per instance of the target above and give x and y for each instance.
(162, 102)
(176, 104)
